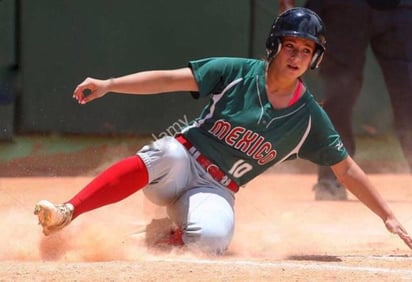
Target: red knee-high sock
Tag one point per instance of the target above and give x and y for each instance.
(114, 184)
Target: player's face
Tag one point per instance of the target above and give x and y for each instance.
(295, 55)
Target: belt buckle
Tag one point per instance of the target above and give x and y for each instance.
(224, 180)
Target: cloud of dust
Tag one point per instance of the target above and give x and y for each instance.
(117, 233)
(19, 235)
(96, 236)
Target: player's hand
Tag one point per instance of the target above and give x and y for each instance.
(395, 227)
(91, 89)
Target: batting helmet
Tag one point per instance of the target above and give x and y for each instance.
(298, 22)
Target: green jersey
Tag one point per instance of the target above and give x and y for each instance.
(243, 134)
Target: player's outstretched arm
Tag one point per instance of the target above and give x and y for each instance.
(358, 183)
(141, 83)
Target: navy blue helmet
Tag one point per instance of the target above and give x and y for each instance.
(298, 22)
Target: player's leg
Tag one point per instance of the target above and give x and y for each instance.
(153, 163)
(201, 208)
(342, 75)
(205, 216)
(112, 185)
(393, 52)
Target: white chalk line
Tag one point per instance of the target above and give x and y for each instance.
(387, 258)
(321, 266)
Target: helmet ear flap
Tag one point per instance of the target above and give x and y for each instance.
(317, 58)
(275, 48)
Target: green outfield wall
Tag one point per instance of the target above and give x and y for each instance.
(8, 88)
(65, 41)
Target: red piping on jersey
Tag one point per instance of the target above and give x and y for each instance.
(296, 94)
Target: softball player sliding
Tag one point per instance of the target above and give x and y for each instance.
(259, 114)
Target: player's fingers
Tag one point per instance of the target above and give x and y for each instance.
(403, 230)
(83, 92)
(84, 84)
(394, 227)
(403, 234)
(90, 89)
(89, 94)
(80, 93)
(406, 238)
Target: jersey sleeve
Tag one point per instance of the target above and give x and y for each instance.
(210, 74)
(324, 145)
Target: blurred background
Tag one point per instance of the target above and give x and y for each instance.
(48, 47)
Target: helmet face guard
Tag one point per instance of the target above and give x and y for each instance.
(298, 22)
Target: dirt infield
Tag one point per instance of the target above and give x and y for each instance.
(282, 234)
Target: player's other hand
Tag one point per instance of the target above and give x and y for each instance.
(395, 227)
(91, 89)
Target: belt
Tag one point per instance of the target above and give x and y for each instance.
(210, 167)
